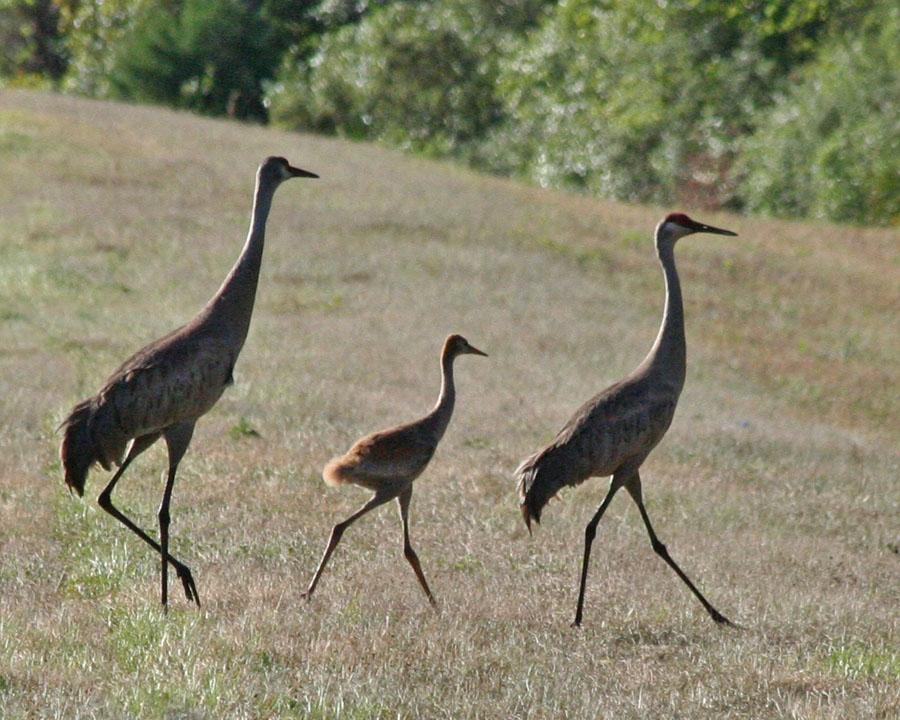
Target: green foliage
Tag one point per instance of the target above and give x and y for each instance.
(32, 41)
(830, 147)
(148, 64)
(515, 15)
(333, 14)
(93, 30)
(645, 102)
(625, 99)
(559, 90)
(780, 106)
(243, 429)
(414, 76)
(206, 55)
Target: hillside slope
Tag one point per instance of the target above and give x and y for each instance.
(775, 487)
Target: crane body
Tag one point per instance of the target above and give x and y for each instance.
(166, 386)
(613, 433)
(387, 463)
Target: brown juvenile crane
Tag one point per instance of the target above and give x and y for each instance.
(614, 432)
(387, 462)
(164, 388)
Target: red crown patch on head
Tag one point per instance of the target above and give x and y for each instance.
(680, 219)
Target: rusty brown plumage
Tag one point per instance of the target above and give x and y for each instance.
(614, 432)
(398, 455)
(163, 388)
(387, 462)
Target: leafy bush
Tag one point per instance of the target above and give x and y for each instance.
(646, 101)
(32, 42)
(207, 55)
(93, 30)
(830, 147)
(418, 77)
(781, 106)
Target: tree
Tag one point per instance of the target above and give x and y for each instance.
(93, 30)
(32, 40)
(830, 147)
(417, 76)
(648, 101)
(212, 56)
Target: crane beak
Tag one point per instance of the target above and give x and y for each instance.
(297, 172)
(475, 351)
(700, 227)
(527, 516)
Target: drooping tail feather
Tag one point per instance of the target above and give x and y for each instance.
(77, 451)
(540, 476)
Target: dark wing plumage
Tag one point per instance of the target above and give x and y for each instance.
(167, 385)
(174, 379)
(622, 424)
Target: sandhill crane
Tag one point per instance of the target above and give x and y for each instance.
(614, 432)
(164, 388)
(387, 462)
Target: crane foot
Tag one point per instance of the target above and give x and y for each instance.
(720, 619)
(187, 581)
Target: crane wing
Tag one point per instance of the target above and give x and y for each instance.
(172, 380)
(617, 427)
(623, 422)
(398, 454)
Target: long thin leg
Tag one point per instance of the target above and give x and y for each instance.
(408, 552)
(634, 489)
(337, 531)
(105, 501)
(177, 439)
(589, 533)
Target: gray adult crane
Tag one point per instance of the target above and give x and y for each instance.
(164, 388)
(387, 462)
(614, 432)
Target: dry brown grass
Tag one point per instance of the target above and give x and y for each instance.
(776, 487)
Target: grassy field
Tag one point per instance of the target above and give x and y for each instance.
(776, 487)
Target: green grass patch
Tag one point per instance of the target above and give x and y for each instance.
(861, 663)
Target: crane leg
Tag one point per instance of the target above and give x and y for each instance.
(408, 552)
(105, 501)
(337, 531)
(589, 533)
(634, 489)
(177, 439)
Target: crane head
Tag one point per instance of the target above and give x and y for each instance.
(276, 170)
(458, 345)
(676, 225)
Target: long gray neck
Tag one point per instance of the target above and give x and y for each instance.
(667, 358)
(231, 307)
(439, 418)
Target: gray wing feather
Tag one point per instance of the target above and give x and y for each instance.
(161, 385)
